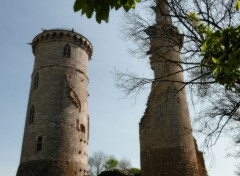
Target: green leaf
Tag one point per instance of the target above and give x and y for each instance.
(89, 12)
(123, 2)
(78, 5)
(102, 7)
(204, 46)
(237, 5)
(214, 60)
(127, 7)
(226, 70)
(117, 6)
(216, 71)
(98, 18)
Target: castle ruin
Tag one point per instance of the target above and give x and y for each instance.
(57, 126)
(167, 146)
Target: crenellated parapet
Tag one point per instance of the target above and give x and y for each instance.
(62, 35)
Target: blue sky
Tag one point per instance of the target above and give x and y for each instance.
(113, 119)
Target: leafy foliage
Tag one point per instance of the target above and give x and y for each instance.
(237, 4)
(111, 164)
(220, 52)
(134, 171)
(102, 7)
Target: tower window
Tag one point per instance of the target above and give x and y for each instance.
(31, 115)
(88, 128)
(67, 51)
(54, 35)
(39, 143)
(36, 79)
(77, 125)
(82, 127)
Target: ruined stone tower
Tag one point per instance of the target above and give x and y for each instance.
(166, 142)
(56, 128)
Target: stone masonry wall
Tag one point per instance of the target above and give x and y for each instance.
(60, 109)
(166, 142)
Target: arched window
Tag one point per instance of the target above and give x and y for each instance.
(67, 51)
(31, 115)
(82, 127)
(36, 79)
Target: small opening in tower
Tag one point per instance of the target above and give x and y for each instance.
(47, 35)
(75, 38)
(61, 35)
(77, 125)
(54, 35)
(39, 143)
(67, 51)
(31, 115)
(82, 127)
(36, 79)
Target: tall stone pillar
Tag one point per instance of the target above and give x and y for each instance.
(166, 141)
(56, 128)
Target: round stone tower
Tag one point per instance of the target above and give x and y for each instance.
(56, 128)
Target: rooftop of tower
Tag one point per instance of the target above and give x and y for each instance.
(62, 34)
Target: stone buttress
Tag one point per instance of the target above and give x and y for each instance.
(56, 129)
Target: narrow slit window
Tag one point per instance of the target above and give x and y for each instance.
(77, 125)
(36, 79)
(67, 51)
(39, 143)
(88, 128)
(31, 115)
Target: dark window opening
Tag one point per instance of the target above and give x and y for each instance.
(82, 127)
(75, 38)
(77, 125)
(39, 143)
(36, 79)
(61, 35)
(46, 37)
(67, 51)
(88, 128)
(31, 115)
(54, 35)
